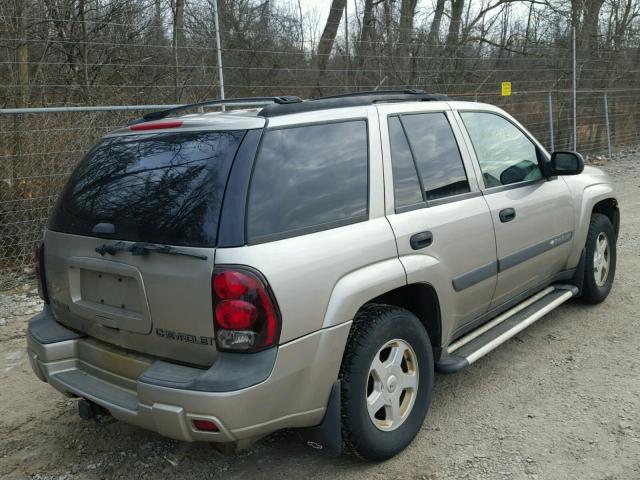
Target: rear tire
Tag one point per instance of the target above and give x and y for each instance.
(600, 265)
(387, 380)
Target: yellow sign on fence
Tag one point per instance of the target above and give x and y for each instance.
(506, 89)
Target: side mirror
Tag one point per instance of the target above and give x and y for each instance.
(565, 163)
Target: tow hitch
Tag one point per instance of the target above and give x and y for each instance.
(91, 411)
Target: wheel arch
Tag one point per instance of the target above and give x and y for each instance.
(609, 208)
(421, 299)
(597, 198)
(349, 298)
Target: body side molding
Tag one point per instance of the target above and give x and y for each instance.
(484, 272)
(476, 275)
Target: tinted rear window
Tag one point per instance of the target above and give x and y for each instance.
(160, 188)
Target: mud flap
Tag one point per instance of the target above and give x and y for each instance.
(328, 435)
(578, 276)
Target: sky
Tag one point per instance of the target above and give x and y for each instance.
(322, 6)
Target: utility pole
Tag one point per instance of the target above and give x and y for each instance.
(219, 50)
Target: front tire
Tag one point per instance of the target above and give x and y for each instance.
(600, 267)
(387, 381)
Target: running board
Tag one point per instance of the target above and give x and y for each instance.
(477, 343)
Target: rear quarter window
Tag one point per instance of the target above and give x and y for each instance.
(308, 178)
(161, 188)
(436, 153)
(406, 186)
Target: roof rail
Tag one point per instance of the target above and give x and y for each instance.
(355, 99)
(404, 91)
(239, 102)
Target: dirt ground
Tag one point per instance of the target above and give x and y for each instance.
(559, 401)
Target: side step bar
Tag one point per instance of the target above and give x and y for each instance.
(477, 343)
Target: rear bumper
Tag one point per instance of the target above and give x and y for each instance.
(166, 398)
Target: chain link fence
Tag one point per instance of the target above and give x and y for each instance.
(130, 52)
(39, 150)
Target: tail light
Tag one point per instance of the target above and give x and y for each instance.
(245, 314)
(38, 255)
(155, 125)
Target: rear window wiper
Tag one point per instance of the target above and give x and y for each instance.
(143, 248)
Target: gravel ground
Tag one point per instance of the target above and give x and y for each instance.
(559, 401)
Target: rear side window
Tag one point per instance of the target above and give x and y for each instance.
(161, 188)
(406, 186)
(307, 179)
(436, 154)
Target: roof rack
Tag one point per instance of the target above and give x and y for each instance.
(366, 93)
(355, 99)
(238, 102)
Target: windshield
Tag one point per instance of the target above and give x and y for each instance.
(162, 188)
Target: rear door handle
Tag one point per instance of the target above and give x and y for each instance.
(507, 215)
(421, 240)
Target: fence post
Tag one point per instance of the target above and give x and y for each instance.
(219, 50)
(551, 139)
(606, 122)
(575, 113)
(346, 41)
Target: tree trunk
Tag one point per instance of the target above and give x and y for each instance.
(589, 30)
(22, 55)
(434, 31)
(388, 21)
(457, 7)
(527, 32)
(157, 36)
(178, 40)
(367, 27)
(84, 49)
(328, 38)
(22, 99)
(302, 45)
(407, 13)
